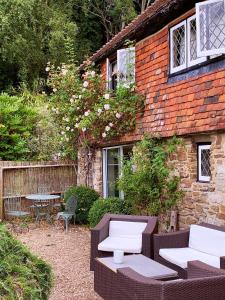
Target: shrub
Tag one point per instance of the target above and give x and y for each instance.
(23, 275)
(108, 205)
(86, 197)
(148, 180)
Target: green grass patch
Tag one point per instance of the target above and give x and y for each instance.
(22, 274)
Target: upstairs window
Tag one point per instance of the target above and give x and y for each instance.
(183, 39)
(204, 169)
(121, 71)
(210, 16)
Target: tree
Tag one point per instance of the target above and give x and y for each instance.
(17, 123)
(33, 32)
(113, 14)
(142, 5)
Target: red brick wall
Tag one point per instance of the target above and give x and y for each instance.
(189, 106)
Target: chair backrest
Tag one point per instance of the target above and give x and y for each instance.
(71, 204)
(207, 240)
(125, 228)
(13, 203)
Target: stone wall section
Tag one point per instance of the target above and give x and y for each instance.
(203, 202)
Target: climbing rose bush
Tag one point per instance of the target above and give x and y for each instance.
(85, 110)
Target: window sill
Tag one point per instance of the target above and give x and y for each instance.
(197, 70)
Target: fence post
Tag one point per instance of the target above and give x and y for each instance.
(1, 194)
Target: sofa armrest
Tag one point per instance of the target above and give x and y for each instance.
(101, 230)
(98, 234)
(222, 262)
(147, 237)
(178, 239)
(198, 269)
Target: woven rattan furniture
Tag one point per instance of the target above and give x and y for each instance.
(203, 283)
(101, 232)
(180, 240)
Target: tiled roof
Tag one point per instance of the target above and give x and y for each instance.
(138, 23)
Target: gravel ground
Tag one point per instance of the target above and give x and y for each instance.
(68, 254)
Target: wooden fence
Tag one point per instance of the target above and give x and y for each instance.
(26, 177)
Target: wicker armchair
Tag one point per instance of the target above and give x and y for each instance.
(204, 283)
(101, 232)
(179, 239)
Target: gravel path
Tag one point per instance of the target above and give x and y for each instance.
(68, 254)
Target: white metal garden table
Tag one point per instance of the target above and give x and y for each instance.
(42, 204)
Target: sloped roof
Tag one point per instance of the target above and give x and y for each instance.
(159, 8)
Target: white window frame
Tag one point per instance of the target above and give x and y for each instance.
(200, 176)
(105, 171)
(184, 65)
(199, 51)
(199, 60)
(108, 66)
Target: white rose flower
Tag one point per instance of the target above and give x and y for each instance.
(47, 69)
(107, 96)
(86, 113)
(104, 135)
(64, 72)
(53, 109)
(80, 96)
(106, 106)
(85, 84)
(118, 115)
(76, 125)
(93, 73)
(78, 107)
(67, 119)
(43, 93)
(55, 90)
(63, 132)
(99, 110)
(84, 129)
(74, 96)
(77, 119)
(71, 100)
(68, 128)
(72, 130)
(107, 128)
(111, 124)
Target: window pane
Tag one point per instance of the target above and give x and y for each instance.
(211, 22)
(193, 41)
(113, 156)
(205, 162)
(179, 47)
(113, 175)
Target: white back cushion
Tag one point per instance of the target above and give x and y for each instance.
(207, 240)
(127, 229)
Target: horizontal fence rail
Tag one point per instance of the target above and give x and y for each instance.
(25, 178)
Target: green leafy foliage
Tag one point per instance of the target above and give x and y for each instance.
(33, 32)
(148, 180)
(22, 275)
(17, 121)
(85, 199)
(108, 205)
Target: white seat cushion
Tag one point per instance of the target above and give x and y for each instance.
(207, 240)
(128, 229)
(125, 236)
(181, 256)
(128, 245)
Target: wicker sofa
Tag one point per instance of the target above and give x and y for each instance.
(204, 283)
(101, 232)
(204, 242)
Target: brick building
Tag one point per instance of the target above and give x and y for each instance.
(179, 67)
